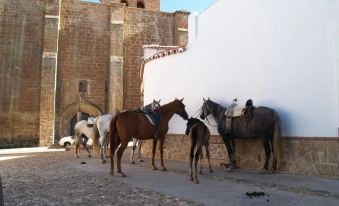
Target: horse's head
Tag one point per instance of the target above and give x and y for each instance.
(180, 109)
(206, 108)
(156, 104)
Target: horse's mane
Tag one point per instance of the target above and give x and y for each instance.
(164, 107)
(219, 107)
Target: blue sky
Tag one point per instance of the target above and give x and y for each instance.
(174, 5)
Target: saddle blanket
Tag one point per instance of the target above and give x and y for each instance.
(235, 111)
(152, 117)
(238, 112)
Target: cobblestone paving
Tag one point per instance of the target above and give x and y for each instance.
(44, 179)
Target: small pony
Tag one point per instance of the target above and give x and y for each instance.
(200, 135)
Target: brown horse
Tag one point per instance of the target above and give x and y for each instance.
(130, 124)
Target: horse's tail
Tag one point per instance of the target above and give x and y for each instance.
(96, 138)
(276, 141)
(112, 135)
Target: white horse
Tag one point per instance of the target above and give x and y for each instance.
(82, 133)
(102, 128)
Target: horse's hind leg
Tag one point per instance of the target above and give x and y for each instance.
(201, 167)
(196, 159)
(139, 151)
(119, 156)
(191, 160)
(133, 150)
(208, 157)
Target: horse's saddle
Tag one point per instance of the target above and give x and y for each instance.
(153, 117)
(235, 111)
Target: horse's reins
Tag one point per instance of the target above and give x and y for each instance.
(208, 122)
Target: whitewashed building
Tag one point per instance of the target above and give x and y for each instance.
(283, 54)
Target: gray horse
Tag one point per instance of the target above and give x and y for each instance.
(264, 124)
(200, 135)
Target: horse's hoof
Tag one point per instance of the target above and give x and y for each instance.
(111, 173)
(230, 169)
(264, 171)
(141, 160)
(196, 181)
(200, 172)
(122, 174)
(155, 168)
(191, 179)
(132, 162)
(103, 161)
(211, 171)
(77, 156)
(89, 156)
(163, 169)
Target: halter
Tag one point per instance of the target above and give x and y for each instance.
(208, 122)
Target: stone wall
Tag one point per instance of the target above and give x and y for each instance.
(143, 27)
(21, 29)
(83, 64)
(304, 156)
(61, 58)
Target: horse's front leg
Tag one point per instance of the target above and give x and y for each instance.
(155, 141)
(77, 146)
(191, 161)
(230, 153)
(162, 141)
(267, 155)
(102, 154)
(208, 157)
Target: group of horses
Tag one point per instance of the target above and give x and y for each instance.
(124, 126)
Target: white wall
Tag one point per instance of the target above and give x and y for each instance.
(279, 53)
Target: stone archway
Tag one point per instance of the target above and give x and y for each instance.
(73, 109)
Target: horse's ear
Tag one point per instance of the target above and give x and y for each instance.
(176, 98)
(159, 100)
(181, 100)
(153, 100)
(208, 98)
(204, 99)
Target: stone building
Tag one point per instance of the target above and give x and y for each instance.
(62, 60)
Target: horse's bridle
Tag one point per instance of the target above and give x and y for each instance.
(202, 108)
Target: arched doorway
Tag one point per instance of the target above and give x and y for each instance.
(70, 116)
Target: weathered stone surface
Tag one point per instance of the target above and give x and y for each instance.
(50, 47)
(45, 179)
(306, 156)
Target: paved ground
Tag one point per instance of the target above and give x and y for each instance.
(57, 178)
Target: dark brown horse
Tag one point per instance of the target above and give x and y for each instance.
(264, 124)
(130, 124)
(200, 136)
